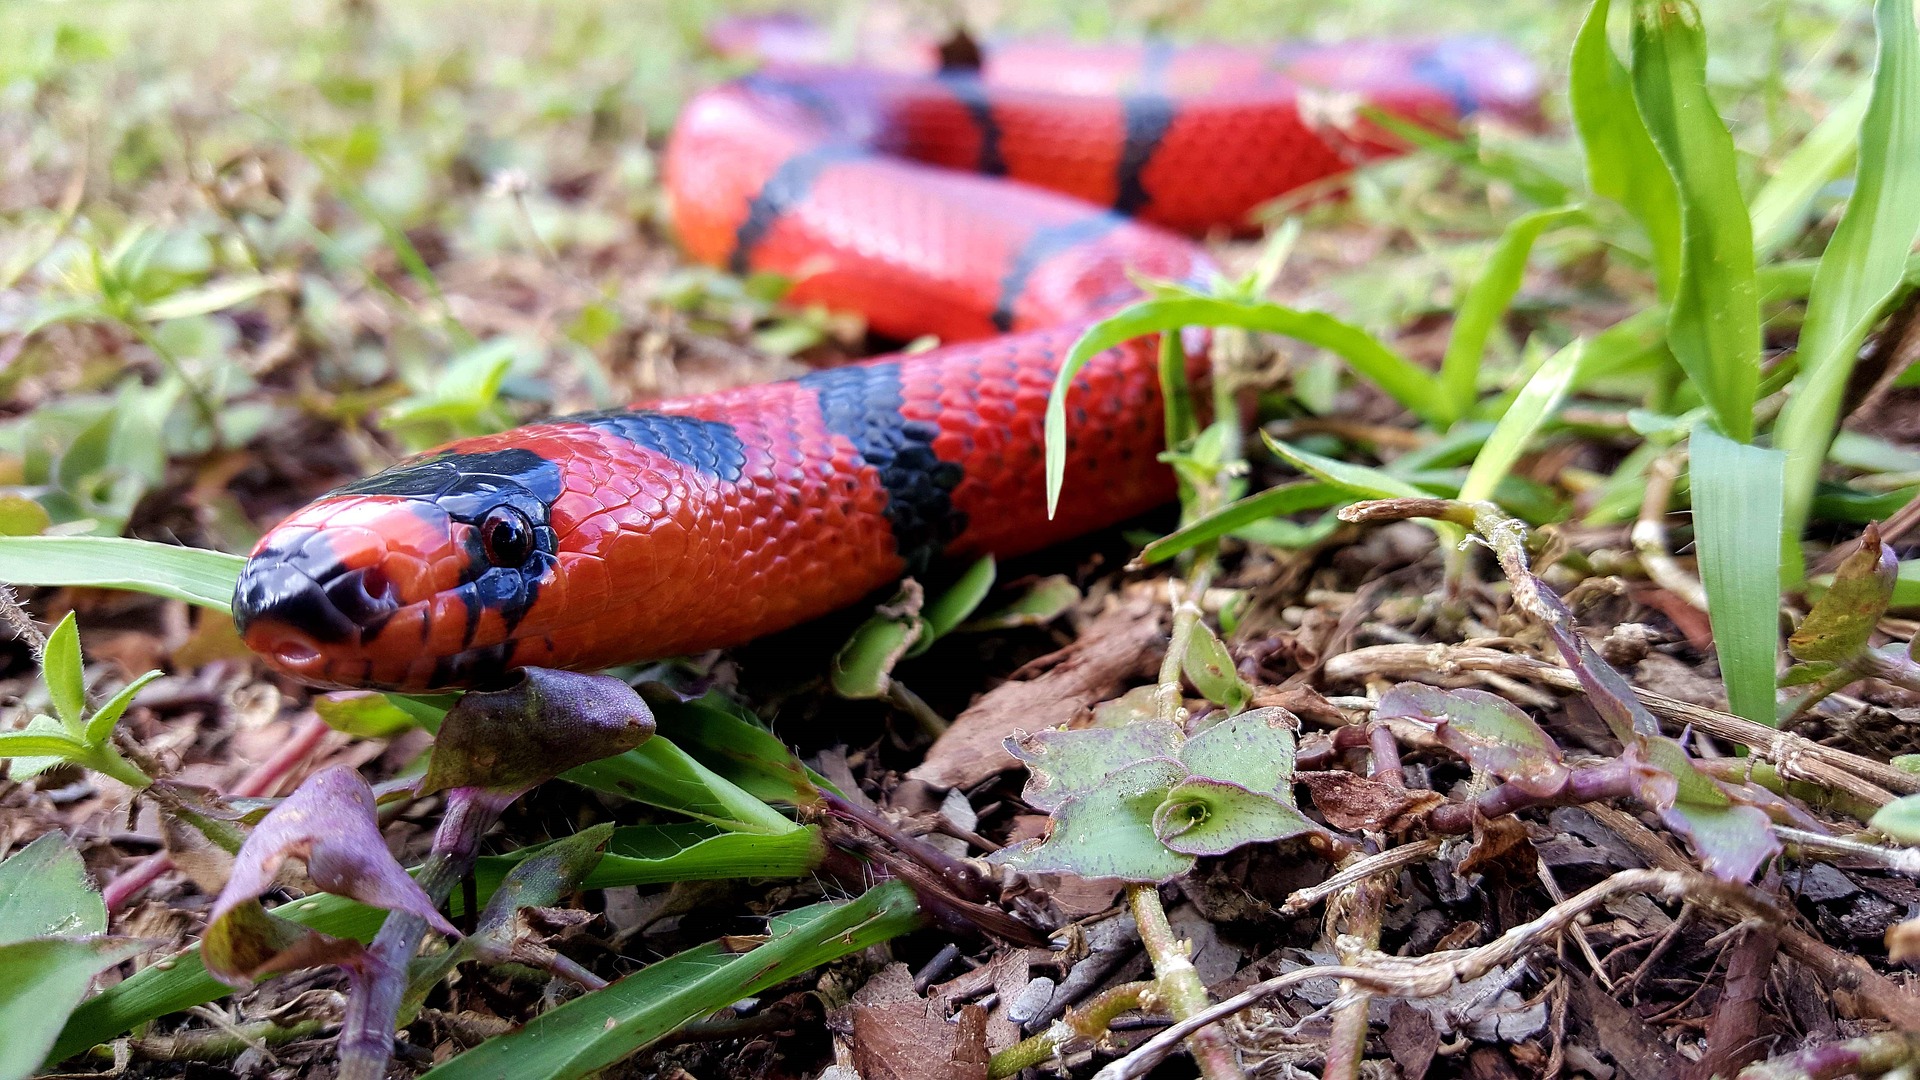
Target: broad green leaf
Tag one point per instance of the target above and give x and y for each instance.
(1485, 302)
(1064, 764)
(1865, 263)
(1736, 522)
(1780, 207)
(65, 676)
(1409, 384)
(597, 1030)
(1260, 506)
(1623, 164)
(1840, 626)
(1899, 819)
(1212, 817)
(1714, 326)
(1254, 750)
(195, 575)
(41, 980)
(27, 754)
(657, 773)
(1108, 831)
(1530, 409)
(1209, 666)
(44, 892)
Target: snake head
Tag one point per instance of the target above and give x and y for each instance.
(415, 577)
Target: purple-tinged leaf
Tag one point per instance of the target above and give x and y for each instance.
(513, 740)
(1608, 691)
(542, 879)
(246, 943)
(1107, 831)
(1842, 620)
(1731, 838)
(1253, 750)
(1067, 764)
(1212, 817)
(1486, 729)
(328, 822)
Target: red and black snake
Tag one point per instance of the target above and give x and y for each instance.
(1000, 209)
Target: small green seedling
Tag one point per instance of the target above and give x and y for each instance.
(70, 735)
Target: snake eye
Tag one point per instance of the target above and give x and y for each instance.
(506, 536)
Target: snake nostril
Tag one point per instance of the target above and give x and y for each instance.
(366, 596)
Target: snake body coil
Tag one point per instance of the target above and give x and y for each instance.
(1000, 210)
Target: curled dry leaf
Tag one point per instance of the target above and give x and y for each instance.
(512, 740)
(328, 822)
(1842, 620)
(1355, 803)
(540, 880)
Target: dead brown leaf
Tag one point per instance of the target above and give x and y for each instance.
(1122, 645)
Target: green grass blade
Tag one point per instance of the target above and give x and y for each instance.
(1412, 386)
(1260, 506)
(1780, 207)
(1486, 302)
(1623, 164)
(1736, 523)
(1536, 402)
(1865, 262)
(1714, 326)
(636, 856)
(195, 575)
(597, 1030)
(1361, 480)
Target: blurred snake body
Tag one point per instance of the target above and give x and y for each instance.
(1001, 209)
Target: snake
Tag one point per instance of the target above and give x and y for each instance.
(1000, 207)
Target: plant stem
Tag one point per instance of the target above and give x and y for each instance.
(202, 404)
(1363, 905)
(1178, 983)
(1087, 1021)
(366, 1037)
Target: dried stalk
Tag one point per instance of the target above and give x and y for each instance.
(1872, 782)
(1437, 973)
(1649, 534)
